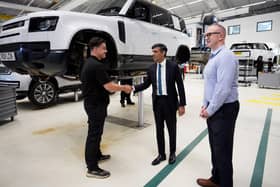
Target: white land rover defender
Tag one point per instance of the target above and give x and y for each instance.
(51, 43)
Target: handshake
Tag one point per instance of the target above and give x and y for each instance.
(127, 88)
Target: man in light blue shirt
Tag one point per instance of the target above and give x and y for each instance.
(220, 106)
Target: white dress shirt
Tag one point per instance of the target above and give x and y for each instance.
(163, 77)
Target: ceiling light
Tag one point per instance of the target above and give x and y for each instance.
(175, 7)
(194, 2)
(254, 4)
(182, 5)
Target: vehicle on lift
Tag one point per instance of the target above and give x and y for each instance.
(40, 93)
(248, 53)
(52, 43)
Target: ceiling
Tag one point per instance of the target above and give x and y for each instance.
(223, 9)
(188, 9)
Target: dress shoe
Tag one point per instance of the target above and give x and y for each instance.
(206, 183)
(104, 157)
(158, 159)
(123, 105)
(98, 173)
(130, 103)
(172, 159)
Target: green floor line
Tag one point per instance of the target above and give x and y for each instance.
(167, 169)
(257, 178)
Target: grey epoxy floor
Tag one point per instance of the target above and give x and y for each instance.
(45, 148)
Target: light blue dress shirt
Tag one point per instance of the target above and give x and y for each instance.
(221, 79)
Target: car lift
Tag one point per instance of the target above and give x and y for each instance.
(139, 79)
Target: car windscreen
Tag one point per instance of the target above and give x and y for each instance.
(241, 46)
(250, 46)
(102, 7)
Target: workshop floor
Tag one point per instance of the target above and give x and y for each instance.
(45, 148)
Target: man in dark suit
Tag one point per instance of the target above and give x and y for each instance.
(164, 75)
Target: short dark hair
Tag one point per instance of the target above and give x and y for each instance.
(161, 46)
(95, 42)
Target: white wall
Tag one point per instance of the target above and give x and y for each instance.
(248, 33)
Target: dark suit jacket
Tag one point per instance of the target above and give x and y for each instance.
(172, 76)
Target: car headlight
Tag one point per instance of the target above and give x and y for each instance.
(43, 24)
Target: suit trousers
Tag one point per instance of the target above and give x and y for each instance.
(221, 134)
(96, 118)
(126, 96)
(162, 112)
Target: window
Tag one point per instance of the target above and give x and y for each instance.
(160, 16)
(176, 22)
(234, 29)
(183, 26)
(264, 26)
(139, 11)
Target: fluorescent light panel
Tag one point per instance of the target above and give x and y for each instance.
(194, 2)
(234, 9)
(253, 4)
(182, 5)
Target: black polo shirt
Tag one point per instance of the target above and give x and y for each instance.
(94, 75)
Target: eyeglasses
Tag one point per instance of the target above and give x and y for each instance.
(210, 34)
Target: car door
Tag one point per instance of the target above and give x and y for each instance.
(141, 34)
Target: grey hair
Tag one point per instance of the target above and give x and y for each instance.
(223, 29)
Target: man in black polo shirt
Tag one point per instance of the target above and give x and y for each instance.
(96, 86)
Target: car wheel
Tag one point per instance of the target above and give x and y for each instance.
(42, 93)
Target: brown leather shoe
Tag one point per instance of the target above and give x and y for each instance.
(206, 183)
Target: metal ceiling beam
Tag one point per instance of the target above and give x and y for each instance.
(28, 5)
(222, 4)
(20, 7)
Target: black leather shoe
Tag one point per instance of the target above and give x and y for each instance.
(123, 105)
(130, 103)
(172, 159)
(98, 173)
(158, 159)
(104, 157)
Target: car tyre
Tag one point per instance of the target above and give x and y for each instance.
(42, 93)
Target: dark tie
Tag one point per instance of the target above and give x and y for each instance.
(159, 80)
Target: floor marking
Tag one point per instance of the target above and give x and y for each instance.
(271, 98)
(264, 102)
(157, 179)
(257, 178)
(44, 131)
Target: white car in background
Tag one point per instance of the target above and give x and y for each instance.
(247, 54)
(250, 52)
(40, 93)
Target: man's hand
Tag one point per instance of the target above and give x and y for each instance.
(181, 110)
(203, 112)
